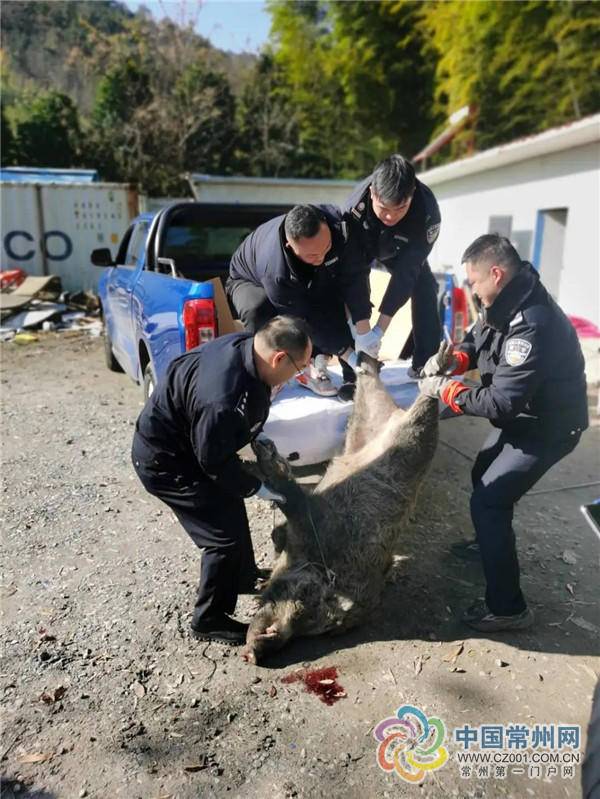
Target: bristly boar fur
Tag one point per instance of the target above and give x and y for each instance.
(338, 542)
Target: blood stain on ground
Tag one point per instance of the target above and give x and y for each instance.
(321, 682)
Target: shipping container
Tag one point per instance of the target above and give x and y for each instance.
(51, 228)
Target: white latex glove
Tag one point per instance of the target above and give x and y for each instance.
(264, 492)
(369, 342)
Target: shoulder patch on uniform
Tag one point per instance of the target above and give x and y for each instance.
(432, 233)
(356, 213)
(517, 350)
(518, 318)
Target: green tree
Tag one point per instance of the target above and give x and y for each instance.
(523, 66)
(48, 130)
(120, 92)
(8, 143)
(357, 81)
(301, 45)
(201, 119)
(387, 80)
(267, 135)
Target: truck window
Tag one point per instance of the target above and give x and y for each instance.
(204, 243)
(135, 249)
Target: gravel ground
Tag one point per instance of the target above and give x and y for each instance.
(104, 694)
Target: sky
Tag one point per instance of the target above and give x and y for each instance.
(236, 25)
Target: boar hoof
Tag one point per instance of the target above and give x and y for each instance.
(366, 364)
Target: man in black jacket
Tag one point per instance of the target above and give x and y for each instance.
(394, 220)
(299, 264)
(533, 390)
(213, 401)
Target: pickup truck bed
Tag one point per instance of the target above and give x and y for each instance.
(156, 295)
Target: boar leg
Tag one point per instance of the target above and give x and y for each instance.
(277, 472)
(373, 406)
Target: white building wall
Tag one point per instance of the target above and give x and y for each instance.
(566, 179)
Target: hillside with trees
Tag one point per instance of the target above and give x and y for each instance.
(338, 85)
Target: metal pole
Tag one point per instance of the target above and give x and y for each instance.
(41, 229)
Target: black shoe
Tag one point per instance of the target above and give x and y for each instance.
(220, 628)
(481, 618)
(466, 550)
(346, 392)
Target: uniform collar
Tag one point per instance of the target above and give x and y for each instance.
(511, 298)
(247, 350)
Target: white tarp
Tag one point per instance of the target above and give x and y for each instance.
(315, 427)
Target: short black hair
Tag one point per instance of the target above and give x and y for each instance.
(491, 249)
(302, 222)
(287, 333)
(393, 180)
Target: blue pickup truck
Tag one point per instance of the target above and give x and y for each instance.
(162, 294)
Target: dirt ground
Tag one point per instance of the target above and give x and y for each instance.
(104, 693)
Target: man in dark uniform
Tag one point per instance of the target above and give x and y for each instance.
(213, 401)
(299, 264)
(533, 390)
(394, 219)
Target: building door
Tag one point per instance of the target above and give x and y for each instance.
(548, 248)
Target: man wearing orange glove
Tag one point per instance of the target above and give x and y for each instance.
(533, 391)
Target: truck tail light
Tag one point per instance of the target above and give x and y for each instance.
(199, 322)
(459, 314)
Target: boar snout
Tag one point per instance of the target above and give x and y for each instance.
(266, 633)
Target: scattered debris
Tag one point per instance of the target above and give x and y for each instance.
(138, 689)
(454, 653)
(35, 757)
(501, 663)
(568, 556)
(37, 303)
(53, 696)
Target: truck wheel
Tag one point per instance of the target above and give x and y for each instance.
(109, 356)
(149, 381)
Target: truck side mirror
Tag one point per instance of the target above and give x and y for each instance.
(102, 257)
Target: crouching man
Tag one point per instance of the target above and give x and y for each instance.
(533, 390)
(212, 402)
(300, 264)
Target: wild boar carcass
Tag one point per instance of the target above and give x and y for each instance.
(338, 542)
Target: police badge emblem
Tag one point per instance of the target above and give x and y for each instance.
(517, 350)
(432, 233)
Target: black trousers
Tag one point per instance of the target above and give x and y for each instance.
(330, 331)
(216, 521)
(426, 334)
(507, 466)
